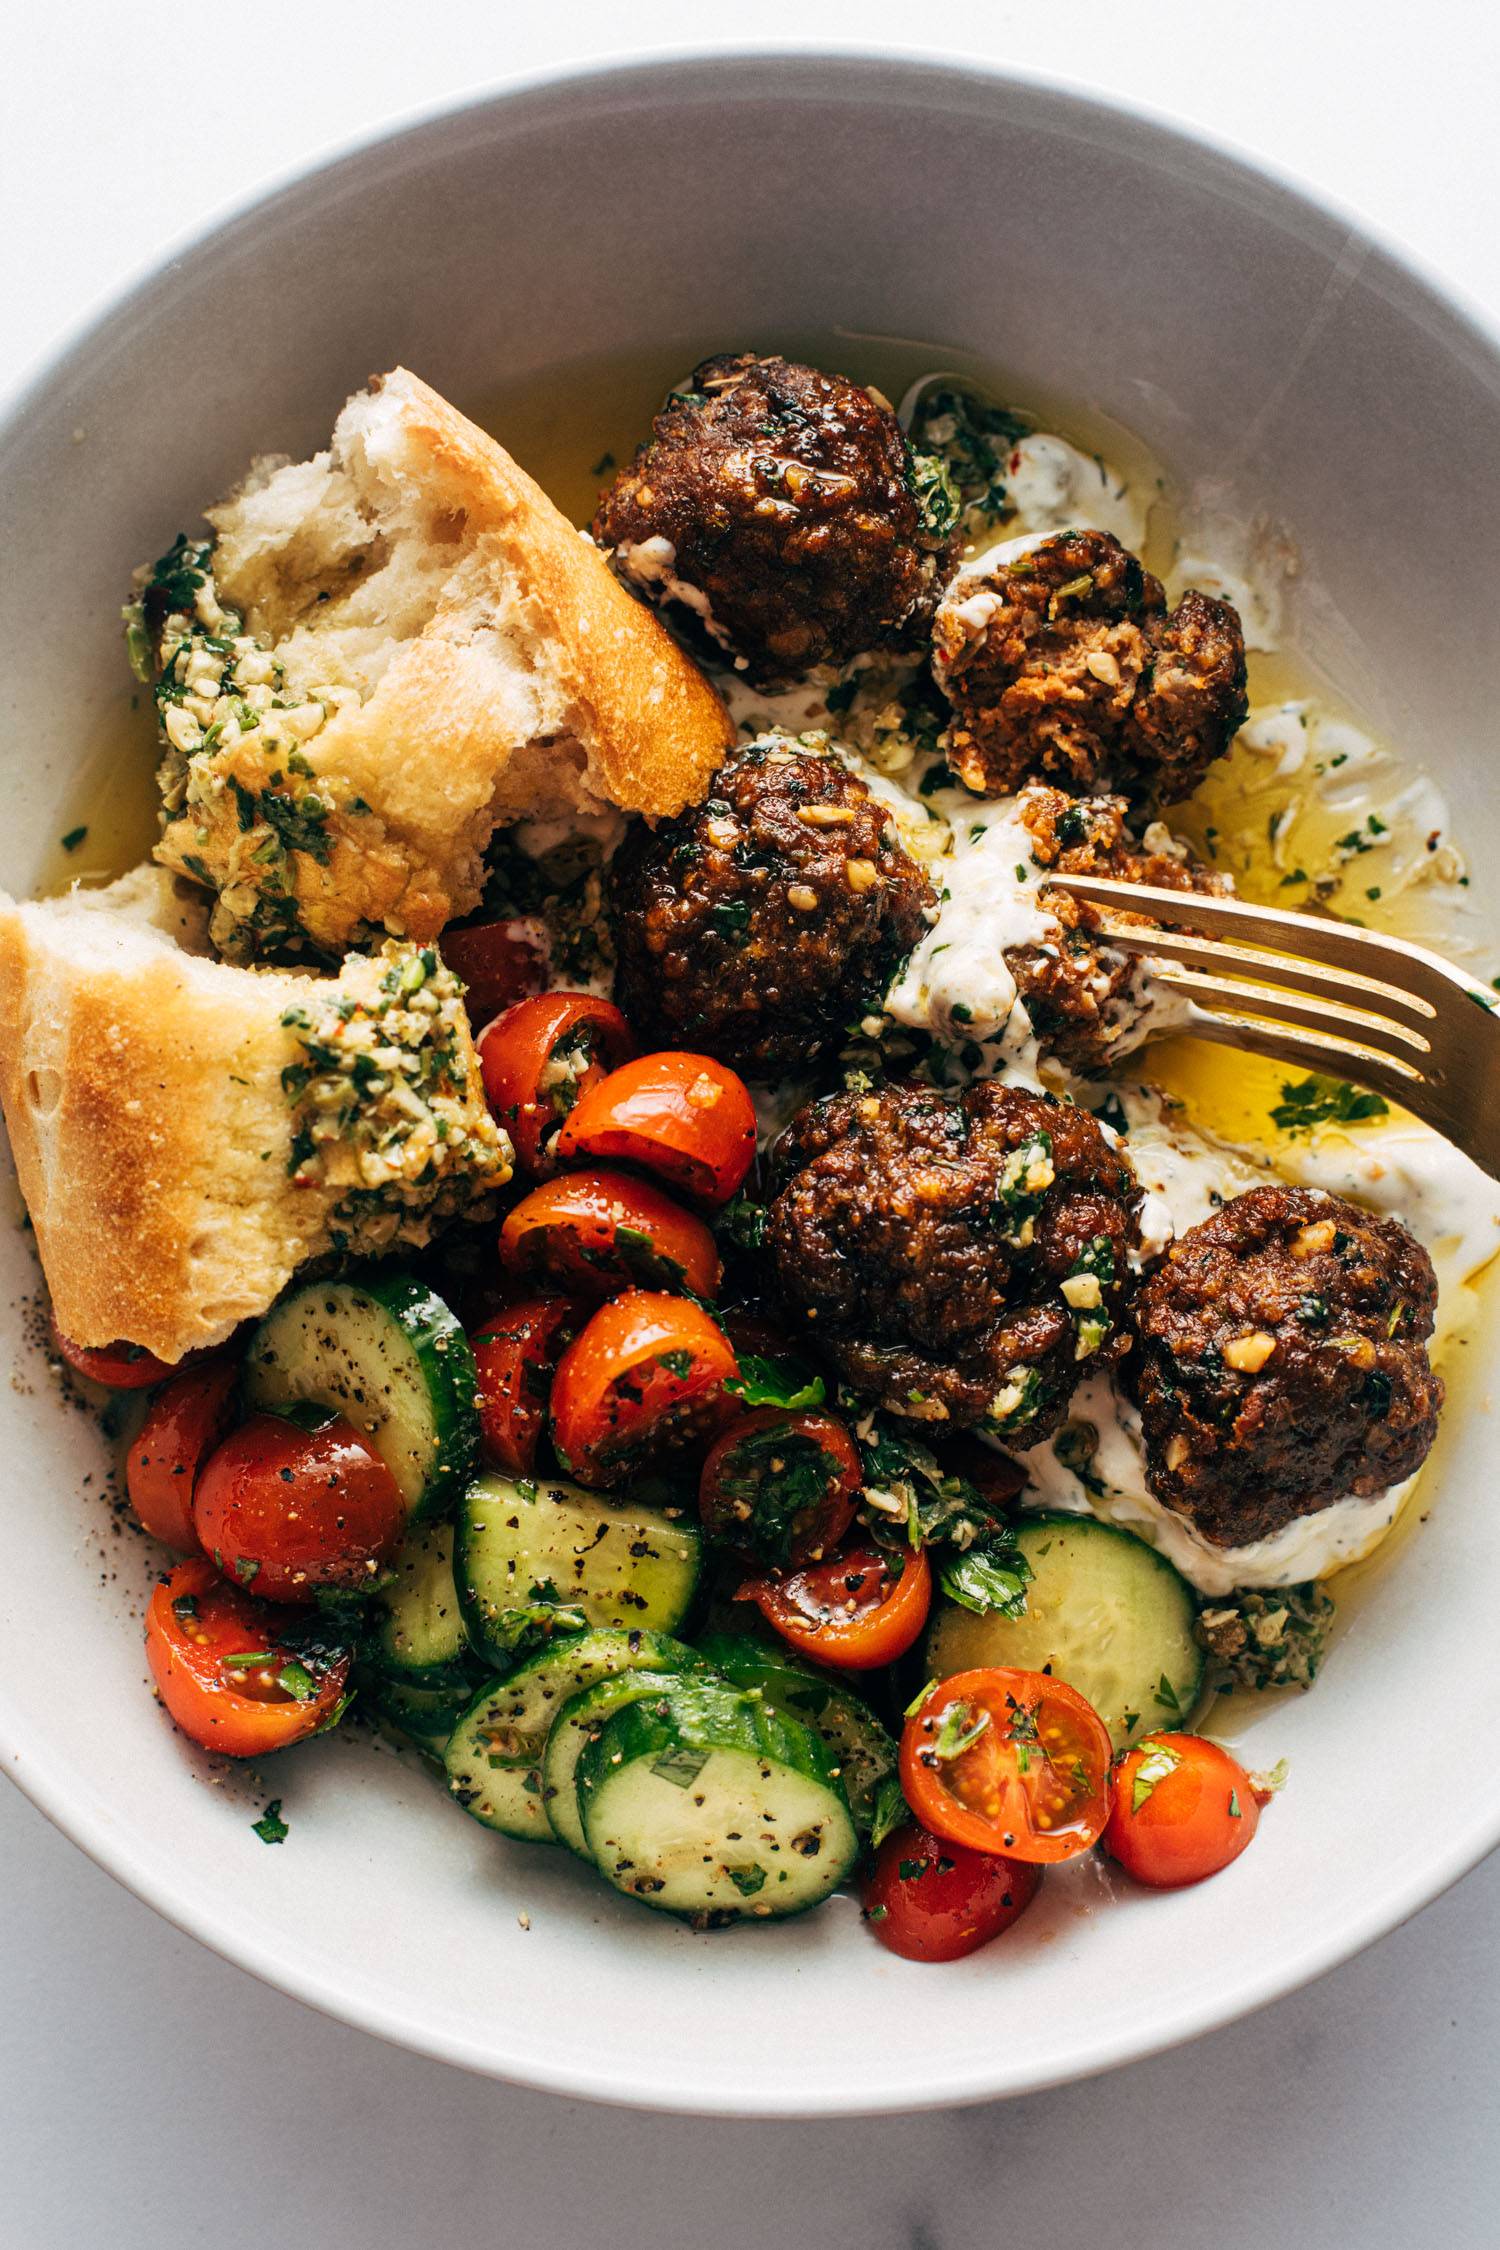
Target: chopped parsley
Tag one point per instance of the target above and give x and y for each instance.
(763, 1381)
(1158, 1759)
(1307, 1103)
(271, 1828)
(991, 1579)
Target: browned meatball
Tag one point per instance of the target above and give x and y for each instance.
(960, 1257)
(1087, 1000)
(775, 503)
(1281, 1362)
(1064, 665)
(759, 925)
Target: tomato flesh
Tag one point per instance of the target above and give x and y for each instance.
(682, 1116)
(221, 1666)
(852, 1610)
(780, 1487)
(1183, 1810)
(119, 1367)
(930, 1900)
(500, 963)
(290, 1510)
(186, 1420)
(1008, 1761)
(515, 1354)
(539, 1058)
(646, 1376)
(592, 1234)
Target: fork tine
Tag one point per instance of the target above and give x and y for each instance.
(1306, 1051)
(1336, 945)
(1278, 970)
(1263, 1004)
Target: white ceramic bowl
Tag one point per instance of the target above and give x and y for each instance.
(1247, 335)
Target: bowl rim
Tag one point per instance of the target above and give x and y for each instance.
(617, 73)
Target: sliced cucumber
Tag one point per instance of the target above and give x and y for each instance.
(386, 1353)
(526, 1549)
(859, 1746)
(494, 1758)
(581, 1721)
(419, 1640)
(426, 1716)
(1104, 1612)
(704, 1801)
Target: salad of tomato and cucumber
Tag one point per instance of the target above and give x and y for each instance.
(577, 1515)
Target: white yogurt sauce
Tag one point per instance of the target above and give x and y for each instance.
(1312, 1547)
(956, 983)
(1054, 487)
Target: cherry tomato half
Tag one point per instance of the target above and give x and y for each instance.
(119, 1367)
(500, 963)
(186, 1420)
(930, 1900)
(780, 1486)
(287, 1509)
(223, 1669)
(683, 1116)
(590, 1234)
(1008, 1761)
(852, 1610)
(646, 1376)
(539, 1058)
(1183, 1809)
(515, 1354)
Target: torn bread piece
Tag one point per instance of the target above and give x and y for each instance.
(189, 1134)
(379, 657)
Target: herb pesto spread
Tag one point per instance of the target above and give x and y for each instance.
(218, 687)
(386, 1102)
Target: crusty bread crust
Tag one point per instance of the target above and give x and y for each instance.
(141, 1086)
(498, 669)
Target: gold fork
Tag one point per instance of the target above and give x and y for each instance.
(1383, 1014)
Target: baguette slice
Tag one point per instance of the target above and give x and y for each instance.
(157, 1140)
(476, 659)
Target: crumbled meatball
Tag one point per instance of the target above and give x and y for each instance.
(776, 504)
(757, 926)
(1281, 1362)
(962, 1258)
(1063, 664)
(1088, 1002)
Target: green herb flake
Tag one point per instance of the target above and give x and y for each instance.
(681, 1766)
(1308, 1103)
(73, 839)
(765, 1381)
(962, 1727)
(1158, 1759)
(271, 1828)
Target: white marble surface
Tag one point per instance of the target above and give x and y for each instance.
(148, 2091)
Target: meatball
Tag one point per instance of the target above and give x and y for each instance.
(1281, 1362)
(758, 925)
(776, 504)
(958, 1257)
(1063, 664)
(1088, 1002)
